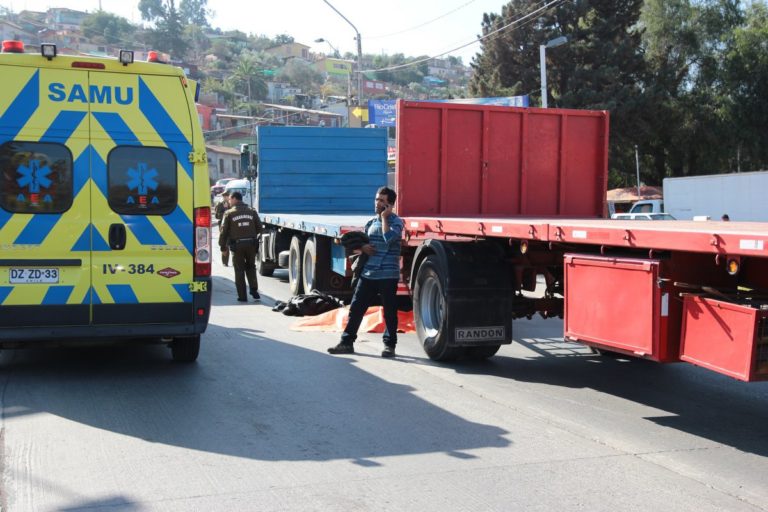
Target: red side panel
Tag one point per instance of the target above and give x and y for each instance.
(616, 303)
(727, 338)
(461, 170)
(421, 169)
(541, 177)
(504, 169)
(483, 161)
(583, 188)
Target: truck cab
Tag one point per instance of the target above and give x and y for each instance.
(642, 216)
(648, 206)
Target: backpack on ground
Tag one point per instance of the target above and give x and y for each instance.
(309, 304)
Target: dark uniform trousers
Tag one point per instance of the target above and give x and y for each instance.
(240, 228)
(243, 253)
(219, 214)
(225, 258)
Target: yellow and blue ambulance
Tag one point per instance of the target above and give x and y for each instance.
(104, 202)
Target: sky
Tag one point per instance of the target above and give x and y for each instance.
(411, 27)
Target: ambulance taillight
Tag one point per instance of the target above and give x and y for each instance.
(13, 46)
(202, 242)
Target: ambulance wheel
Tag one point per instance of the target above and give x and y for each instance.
(295, 255)
(184, 349)
(482, 352)
(316, 265)
(264, 268)
(430, 311)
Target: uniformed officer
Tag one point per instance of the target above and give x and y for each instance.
(221, 207)
(240, 227)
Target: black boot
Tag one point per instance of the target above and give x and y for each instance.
(342, 348)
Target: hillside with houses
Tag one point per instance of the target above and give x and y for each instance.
(247, 79)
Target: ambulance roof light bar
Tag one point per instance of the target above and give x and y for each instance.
(126, 57)
(155, 56)
(10, 46)
(48, 50)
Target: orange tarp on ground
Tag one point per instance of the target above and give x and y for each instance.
(335, 320)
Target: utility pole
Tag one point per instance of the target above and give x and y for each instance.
(359, 54)
(637, 168)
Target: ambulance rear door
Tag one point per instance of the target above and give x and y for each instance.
(142, 203)
(45, 202)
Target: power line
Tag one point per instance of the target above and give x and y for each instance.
(421, 25)
(259, 122)
(551, 4)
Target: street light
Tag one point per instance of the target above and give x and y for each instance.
(552, 43)
(359, 55)
(335, 51)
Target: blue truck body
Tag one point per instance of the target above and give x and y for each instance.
(313, 185)
(318, 171)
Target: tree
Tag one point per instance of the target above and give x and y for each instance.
(224, 88)
(746, 79)
(403, 75)
(282, 39)
(599, 68)
(259, 43)
(102, 26)
(330, 88)
(248, 73)
(302, 75)
(199, 43)
(195, 12)
(690, 100)
(167, 35)
(507, 64)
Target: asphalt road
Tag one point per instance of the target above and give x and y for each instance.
(267, 421)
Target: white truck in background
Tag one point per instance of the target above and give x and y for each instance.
(742, 196)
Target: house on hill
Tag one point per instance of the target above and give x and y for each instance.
(289, 51)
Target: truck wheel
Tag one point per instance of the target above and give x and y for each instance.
(316, 265)
(482, 352)
(430, 312)
(264, 268)
(294, 266)
(184, 349)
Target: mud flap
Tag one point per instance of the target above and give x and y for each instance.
(479, 293)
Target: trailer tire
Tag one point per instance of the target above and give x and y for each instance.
(295, 254)
(430, 311)
(315, 267)
(264, 268)
(185, 349)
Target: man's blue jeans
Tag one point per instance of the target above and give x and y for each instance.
(365, 292)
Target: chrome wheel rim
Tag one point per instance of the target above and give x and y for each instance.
(431, 307)
(309, 271)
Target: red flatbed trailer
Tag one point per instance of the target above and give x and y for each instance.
(494, 198)
(726, 238)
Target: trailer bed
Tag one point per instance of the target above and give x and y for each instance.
(735, 238)
(326, 224)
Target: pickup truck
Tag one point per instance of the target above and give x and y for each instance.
(642, 216)
(647, 206)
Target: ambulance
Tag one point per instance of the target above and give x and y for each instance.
(104, 202)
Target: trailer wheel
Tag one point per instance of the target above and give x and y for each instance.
(430, 311)
(316, 266)
(185, 349)
(295, 267)
(264, 268)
